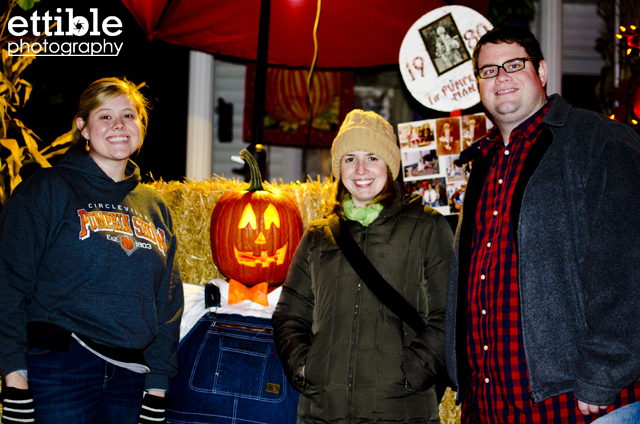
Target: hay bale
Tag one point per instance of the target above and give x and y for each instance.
(192, 202)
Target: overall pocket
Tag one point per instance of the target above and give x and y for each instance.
(238, 360)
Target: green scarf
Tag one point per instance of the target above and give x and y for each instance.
(365, 216)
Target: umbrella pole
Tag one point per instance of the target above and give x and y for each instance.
(256, 148)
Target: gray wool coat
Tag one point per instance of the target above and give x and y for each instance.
(576, 215)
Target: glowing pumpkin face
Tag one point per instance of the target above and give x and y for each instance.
(264, 259)
(253, 235)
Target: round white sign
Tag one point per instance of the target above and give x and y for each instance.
(435, 57)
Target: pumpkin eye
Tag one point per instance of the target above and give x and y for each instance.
(248, 217)
(271, 215)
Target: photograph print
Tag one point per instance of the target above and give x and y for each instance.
(448, 136)
(420, 163)
(418, 134)
(432, 191)
(444, 44)
(473, 127)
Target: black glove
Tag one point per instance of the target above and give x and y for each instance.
(17, 405)
(153, 410)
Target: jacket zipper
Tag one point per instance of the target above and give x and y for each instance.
(354, 327)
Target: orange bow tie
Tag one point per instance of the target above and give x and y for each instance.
(239, 292)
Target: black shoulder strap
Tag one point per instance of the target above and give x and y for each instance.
(372, 278)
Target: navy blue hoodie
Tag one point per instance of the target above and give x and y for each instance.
(94, 257)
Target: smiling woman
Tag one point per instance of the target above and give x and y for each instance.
(364, 175)
(110, 124)
(58, 80)
(100, 300)
(330, 329)
(112, 134)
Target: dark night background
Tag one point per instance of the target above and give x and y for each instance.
(58, 83)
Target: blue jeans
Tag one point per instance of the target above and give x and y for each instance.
(629, 414)
(229, 372)
(78, 387)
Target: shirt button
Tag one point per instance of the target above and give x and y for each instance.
(506, 153)
(486, 380)
(489, 244)
(482, 277)
(486, 347)
(495, 213)
(500, 181)
(484, 312)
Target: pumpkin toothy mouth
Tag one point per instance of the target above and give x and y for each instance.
(251, 260)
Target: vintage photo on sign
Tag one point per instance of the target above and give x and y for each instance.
(444, 44)
(448, 136)
(473, 127)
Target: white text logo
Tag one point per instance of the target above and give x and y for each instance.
(66, 24)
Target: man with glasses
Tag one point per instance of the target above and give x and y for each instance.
(543, 306)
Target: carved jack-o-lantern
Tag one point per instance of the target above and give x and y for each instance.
(254, 232)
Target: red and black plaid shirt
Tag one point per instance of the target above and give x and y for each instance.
(499, 384)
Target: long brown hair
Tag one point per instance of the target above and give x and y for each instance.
(100, 92)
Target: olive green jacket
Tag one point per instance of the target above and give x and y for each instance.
(362, 363)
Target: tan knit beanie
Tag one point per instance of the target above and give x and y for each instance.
(366, 132)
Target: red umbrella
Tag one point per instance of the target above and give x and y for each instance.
(351, 33)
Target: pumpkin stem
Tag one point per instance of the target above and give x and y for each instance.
(256, 177)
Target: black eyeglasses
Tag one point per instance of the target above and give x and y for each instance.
(510, 66)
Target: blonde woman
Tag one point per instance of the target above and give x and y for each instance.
(90, 295)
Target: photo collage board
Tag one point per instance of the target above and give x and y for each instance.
(429, 149)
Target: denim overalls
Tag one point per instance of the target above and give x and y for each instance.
(229, 372)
